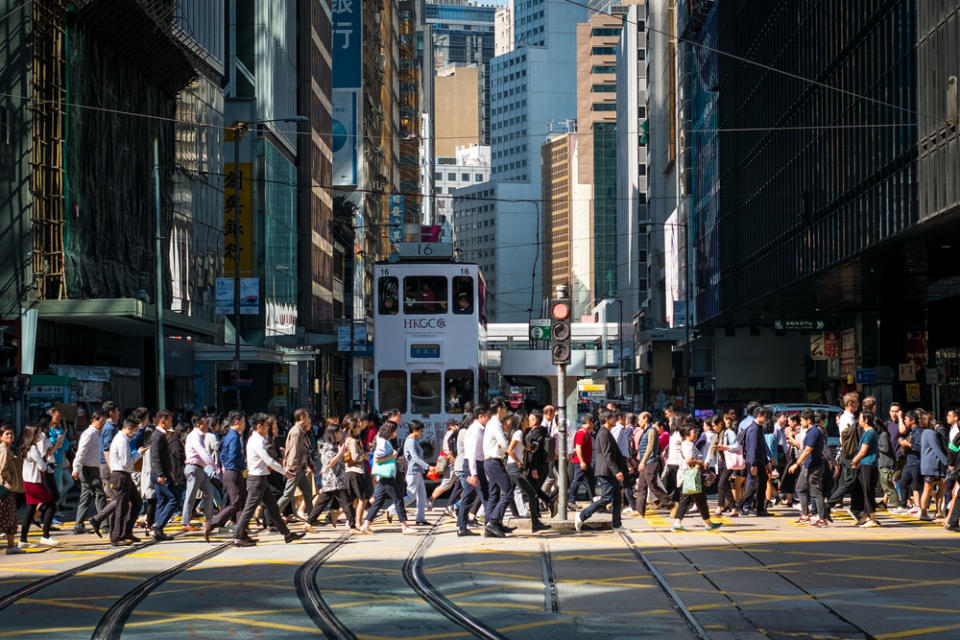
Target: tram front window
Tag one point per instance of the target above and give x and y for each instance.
(459, 383)
(425, 392)
(388, 295)
(424, 295)
(393, 390)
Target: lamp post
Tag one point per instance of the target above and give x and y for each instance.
(239, 128)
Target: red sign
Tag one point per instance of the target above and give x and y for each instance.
(832, 344)
(848, 352)
(916, 347)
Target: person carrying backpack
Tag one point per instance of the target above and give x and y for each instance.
(849, 481)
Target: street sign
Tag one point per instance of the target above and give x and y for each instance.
(907, 372)
(798, 325)
(540, 329)
(816, 347)
(866, 376)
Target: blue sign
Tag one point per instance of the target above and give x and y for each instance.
(346, 53)
(396, 218)
(425, 351)
(866, 376)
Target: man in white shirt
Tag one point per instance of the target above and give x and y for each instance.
(500, 488)
(849, 481)
(474, 463)
(259, 463)
(125, 493)
(200, 465)
(86, 469)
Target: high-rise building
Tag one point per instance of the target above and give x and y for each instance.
(470, 166)
(457, 110)
(463, 35)
(503, 40)
(531, 86)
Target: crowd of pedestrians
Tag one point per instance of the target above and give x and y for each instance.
(141, 471)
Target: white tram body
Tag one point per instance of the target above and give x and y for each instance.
(429, 354)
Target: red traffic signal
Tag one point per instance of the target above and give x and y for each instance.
(560, 310)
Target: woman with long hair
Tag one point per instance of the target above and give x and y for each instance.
(866, 462)
(11, 483)
(335, 494)
(385, 468)
(359, 487)
(516, 427)
(35, 464)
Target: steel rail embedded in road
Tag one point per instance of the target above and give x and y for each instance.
(313, 603)
(551, 598)
(666, 588)
(111, 624)
(413, 574)
(43, 583)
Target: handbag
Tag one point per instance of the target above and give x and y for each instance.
(734, 460)
(384, 469)
(691, 481)
(442, 463)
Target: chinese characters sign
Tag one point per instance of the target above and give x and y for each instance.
(242, 198)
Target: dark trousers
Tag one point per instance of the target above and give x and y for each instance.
(127, 500)
(331, 499)
(167, 501)
(849, 483)
(910, 480)
(470, 494)
(501, 490)
(868, 476)
(698, 499)
(236, 491)
(756, 489)
(582, 477)
(953, 518)
(670, 482)
(91, 490)
(258, 491)
(725, 490)
(387, 489)
(647, 480)
(610, 495)
(517, 478)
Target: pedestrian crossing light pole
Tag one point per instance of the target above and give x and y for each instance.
(560, 352)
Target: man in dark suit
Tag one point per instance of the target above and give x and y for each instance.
(163, 474)
(758, 459)
(610, 467)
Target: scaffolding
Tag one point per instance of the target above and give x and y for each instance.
(48, 119)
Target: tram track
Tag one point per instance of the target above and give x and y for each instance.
(313, 603)
(112, 623)
(43, 583)
(415, 577)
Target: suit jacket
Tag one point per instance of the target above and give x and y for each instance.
(608, 460)
(161, 465)
(296, 447)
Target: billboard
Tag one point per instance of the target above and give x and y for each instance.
(345, 136)
(671, 267)
(238, 238)
(346, 53)
(249, 296)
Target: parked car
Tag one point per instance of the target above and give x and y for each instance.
(833, 412)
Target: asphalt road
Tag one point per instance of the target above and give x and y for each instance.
(754, 578)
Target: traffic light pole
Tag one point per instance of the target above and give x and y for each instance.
(562, 444)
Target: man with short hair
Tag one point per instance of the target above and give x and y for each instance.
(125, 493)
(234, 463)
(649, 465)
(297, 459)
(259, 463)
(476, 476)
(501, 489)
(758, 459)
(200, 465)
(812, 468)
(162, 474)
(849, 481)
(109, 430)
(611, 467)
(582, 458)
(86, 469)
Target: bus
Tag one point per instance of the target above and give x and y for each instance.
(429, 353)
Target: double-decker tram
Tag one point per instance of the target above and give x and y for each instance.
(429, 353)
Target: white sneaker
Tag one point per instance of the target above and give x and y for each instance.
(915, 511)
(26, 545)
(577, 522)
(620, 530)
(870, 524)
(49, 542)
(850, 513)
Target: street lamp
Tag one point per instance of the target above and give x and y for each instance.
(239, 128)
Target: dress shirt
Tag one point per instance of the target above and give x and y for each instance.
(196, 449)
(121, 459)
(231, 452)
(473, 448)
(622, 435)
(494, 442)
(259, 462)
(107, 433)
(88, 451)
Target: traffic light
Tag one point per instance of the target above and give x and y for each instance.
(560, 349)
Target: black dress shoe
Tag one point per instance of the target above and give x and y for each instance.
(96, 527)
(160, 536)
(493, 531)
(539, 526)
(121, 543)
(293, 537)
(132, 539)
(253, 540)
(506, 529)
(464, 534)
(422, 523)
(244, 543)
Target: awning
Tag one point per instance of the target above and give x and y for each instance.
(123, 316)
(225, 353)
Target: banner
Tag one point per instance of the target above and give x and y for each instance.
(249, 296)
(232, 233)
